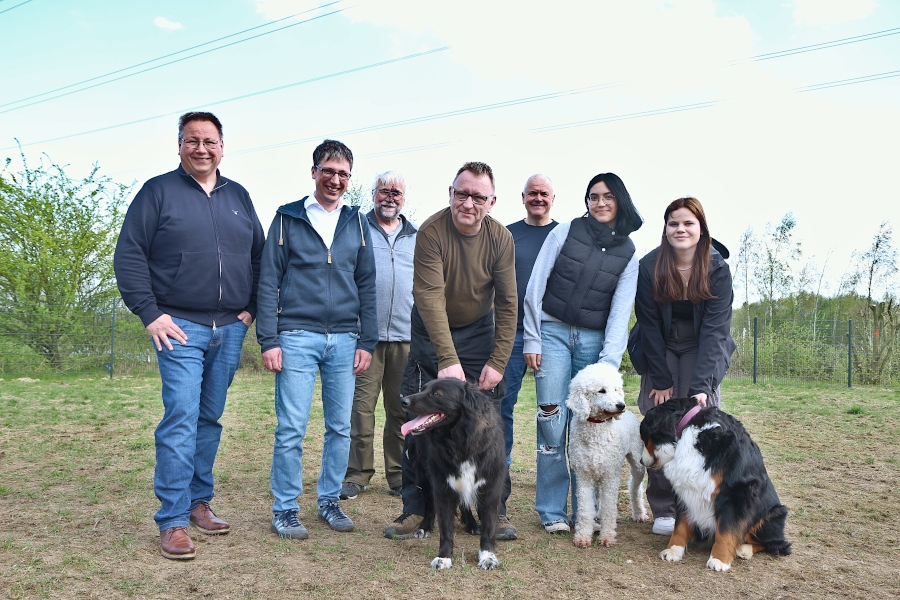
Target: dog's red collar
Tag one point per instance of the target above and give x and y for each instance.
(684, 420)
(593, 420)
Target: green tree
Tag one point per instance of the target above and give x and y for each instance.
(776, 257)
(58, 236)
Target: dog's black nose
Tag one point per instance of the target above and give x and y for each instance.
(620, 406)
(404, 401)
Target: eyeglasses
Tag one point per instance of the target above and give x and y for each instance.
(608, 199)
(393, 192)
(208, 144)
(461, 196)
(329, 173)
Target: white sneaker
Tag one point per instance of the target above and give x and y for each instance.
(663, 525)
(556, 527)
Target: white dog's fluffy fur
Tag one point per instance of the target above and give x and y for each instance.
(596, 451)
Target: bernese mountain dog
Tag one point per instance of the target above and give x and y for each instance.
(723, 492)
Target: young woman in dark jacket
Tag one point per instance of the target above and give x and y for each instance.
(682, 345)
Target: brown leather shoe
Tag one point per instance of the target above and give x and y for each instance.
(206, 520)
(175, 543)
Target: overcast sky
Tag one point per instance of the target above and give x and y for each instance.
(756, 108)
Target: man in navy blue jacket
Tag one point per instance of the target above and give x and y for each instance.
(316, 314)
(187, 263)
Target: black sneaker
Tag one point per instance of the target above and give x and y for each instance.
(330, 512)
(396, 491)
(286, 524)
(405, 526)
(350, 490)
(505, 529)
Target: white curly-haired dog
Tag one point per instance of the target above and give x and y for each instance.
(602, 433)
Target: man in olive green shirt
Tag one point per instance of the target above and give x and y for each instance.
(464, 315)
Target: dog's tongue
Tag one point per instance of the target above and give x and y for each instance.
(407, 427)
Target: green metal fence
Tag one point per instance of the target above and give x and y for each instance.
(110, 340)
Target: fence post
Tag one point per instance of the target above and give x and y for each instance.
(112, 339)
(850, 353)
(755, 338)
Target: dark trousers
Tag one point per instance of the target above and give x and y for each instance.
(681, 356)
(474, 344)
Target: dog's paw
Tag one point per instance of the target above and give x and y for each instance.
(421, 534)
(582, 541)
(717, 565)
(672, 553)
(641, 517)
(745, 552)
(607, 540)
(486, 560)
(441, 563)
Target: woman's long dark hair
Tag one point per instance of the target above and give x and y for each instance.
(628, 219)
(668, 286)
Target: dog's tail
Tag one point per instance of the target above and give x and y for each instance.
(771, 534)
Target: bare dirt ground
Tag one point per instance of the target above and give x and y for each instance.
(76, 511)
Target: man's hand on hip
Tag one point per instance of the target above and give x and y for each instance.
(489, 378)
(452, 371)
(361, 361)
(272, 359)
(162, 329)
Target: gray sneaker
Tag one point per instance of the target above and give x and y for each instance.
(286, 524)
(350, 490)
(330, 512)
(505, 529)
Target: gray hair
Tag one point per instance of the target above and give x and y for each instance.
(536, 176)
(391, 178)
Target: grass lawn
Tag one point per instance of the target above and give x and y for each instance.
(76, 506)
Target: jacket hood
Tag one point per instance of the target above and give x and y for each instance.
(406, 228)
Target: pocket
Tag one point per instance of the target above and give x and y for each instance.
(196, 283)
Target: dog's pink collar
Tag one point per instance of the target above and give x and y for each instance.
(592, 420)
(684, 420)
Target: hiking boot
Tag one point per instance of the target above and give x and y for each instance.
(175, 543)
(406, 526)
(350, 490)
(505, 530)
(396, 490)
(204, 519)
(558, 526)
(286, 524)
(330, 512)
(663, 525)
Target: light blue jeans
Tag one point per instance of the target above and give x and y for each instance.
(195, 379)
(303, 354)
(515, 371)
(565, 350)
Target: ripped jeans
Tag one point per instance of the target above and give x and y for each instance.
(565, 350)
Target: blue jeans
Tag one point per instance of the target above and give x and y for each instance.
(195, 379)
(304, 353)
(515, 371)
(565, 350)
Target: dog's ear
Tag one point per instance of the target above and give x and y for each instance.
(471, 395)
(578, 401)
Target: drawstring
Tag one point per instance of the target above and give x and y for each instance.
(362, 235)
(281, 230)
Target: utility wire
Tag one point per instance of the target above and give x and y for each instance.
(15, 7)
(241, 97)
(823, 45)
(842, 82)
(637, 115)
(177, 60)
(434, 117)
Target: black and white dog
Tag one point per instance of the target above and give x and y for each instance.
(724, 494)
(461, 455)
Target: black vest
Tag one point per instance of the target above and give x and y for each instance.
(586, 273)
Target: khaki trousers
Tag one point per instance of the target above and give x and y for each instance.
(383, 377)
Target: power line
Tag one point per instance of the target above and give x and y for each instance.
(163, 64)
(853, 80)
(824, 45)
(15, 7)
(241, 97)
(637, 115)
(147, 62)
(436, 116)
